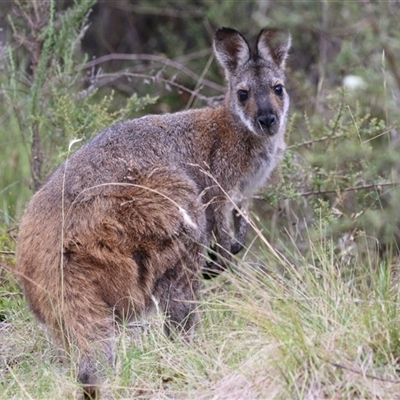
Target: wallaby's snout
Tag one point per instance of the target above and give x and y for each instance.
(268, 121)
(273, 109)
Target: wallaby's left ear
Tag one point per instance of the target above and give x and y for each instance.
(270, 48)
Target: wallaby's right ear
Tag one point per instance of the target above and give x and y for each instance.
(231, 49)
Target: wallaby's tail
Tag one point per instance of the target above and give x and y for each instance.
(89, 336)
(80, 320)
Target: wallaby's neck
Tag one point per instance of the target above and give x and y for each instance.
(232, 152)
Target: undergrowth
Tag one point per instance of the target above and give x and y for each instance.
(47, 97)
(276, 326)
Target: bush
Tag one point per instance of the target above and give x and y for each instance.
(47, 97)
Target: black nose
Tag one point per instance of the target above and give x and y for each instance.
(266, 121)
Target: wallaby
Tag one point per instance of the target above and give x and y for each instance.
(126, 221)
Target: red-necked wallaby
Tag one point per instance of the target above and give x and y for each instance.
(125, 222)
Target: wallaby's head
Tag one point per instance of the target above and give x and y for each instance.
(256, 81)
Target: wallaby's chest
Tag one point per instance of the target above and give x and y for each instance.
(263, 163)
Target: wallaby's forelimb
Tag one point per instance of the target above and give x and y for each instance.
(220, 258)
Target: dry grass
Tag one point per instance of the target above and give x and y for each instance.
(274, 328)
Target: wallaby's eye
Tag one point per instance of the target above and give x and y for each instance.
(278, 89)
(243, 95)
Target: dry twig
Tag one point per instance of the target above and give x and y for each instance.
(155, 58)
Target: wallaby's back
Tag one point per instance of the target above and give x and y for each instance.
(126, 220)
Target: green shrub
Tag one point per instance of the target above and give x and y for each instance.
(48, 99)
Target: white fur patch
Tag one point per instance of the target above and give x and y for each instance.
(187, 218)
(245, 120)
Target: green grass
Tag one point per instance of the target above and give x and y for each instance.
(277, 327)
(14, 173)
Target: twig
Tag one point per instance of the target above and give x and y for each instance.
(158, 59)
(199, 83)
(20, 384)
(356, 371)
(36, 157)
(9, 294)
(323, 55)
(321, 139)
(388, 52)
(9, 186)
(165, 12)
(157, 78)
(193, 56)
(7, 252)
(349, 189)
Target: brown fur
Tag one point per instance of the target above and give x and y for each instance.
(126, 219)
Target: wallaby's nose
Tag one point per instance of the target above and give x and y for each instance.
(266, 121)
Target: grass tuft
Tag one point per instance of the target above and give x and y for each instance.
(273, 328)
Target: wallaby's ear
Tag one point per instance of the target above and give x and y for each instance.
(269, 49)
(230, 48)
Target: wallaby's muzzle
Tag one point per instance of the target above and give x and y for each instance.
(268, 123)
